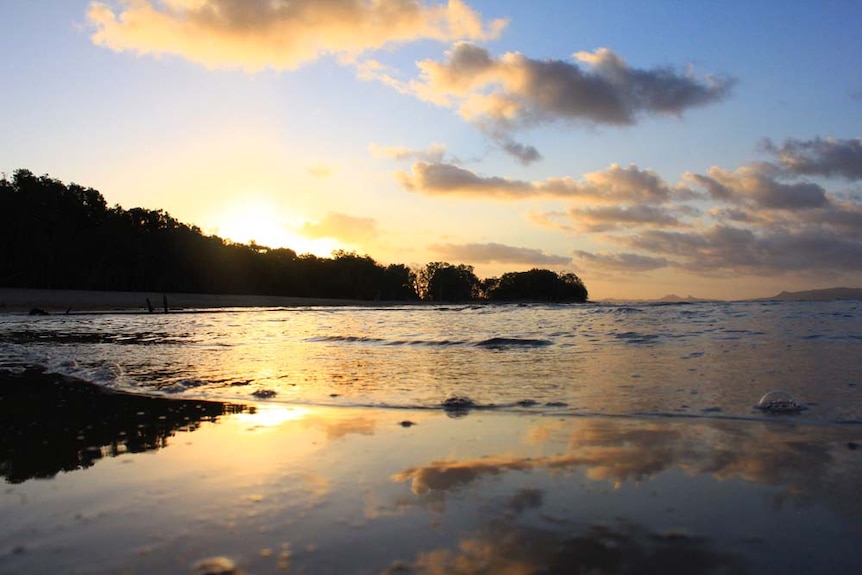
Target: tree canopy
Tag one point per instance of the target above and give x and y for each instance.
(59, 236)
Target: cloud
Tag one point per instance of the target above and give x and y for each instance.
(760, 219)
(756, 186)
(596, 88)
(320, 170)
(257, 34)
(819, 157)
(624, 262)
(605, 218)
(433, 154)
(524, 153)
(615, 184)
(499, 253)
(720, 249)
(342, 227)
(448, 179)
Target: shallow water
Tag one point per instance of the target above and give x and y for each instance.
(690, 360)
(319, 490)
(593, 438)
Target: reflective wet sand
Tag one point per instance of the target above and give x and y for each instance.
(301, 489)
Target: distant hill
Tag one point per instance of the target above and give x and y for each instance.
(838, 293)
(673, 298)
(670, 298)
(817, 295)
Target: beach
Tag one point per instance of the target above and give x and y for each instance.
(436, 439)
(13, 300)
(146, 485)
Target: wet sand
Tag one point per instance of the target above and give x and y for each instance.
(97, 482)
(79, 301)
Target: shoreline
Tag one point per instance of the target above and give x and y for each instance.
(98, 483)
(52, 301)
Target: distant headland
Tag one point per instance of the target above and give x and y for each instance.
(837, 293)
(827, 294)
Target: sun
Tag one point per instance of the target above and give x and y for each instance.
(262, 222)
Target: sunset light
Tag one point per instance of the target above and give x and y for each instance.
(264, 224)
(431, 286)
(722, 161)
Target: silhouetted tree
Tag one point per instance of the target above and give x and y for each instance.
(537, 285)
(66, 237)
(443, 281)
(398, 283)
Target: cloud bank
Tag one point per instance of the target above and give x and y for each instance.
(497, 253)
(761, 219)
(279, 34)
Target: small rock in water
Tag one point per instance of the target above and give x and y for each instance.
(264, 393)
(407, 423)
(458, 404)
(216, 566)
(527, 403)
(779, 401)
(852, 445)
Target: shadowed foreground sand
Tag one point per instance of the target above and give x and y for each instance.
(59, 301)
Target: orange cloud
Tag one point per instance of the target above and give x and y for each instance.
(342, 227)
(493, 252)
(257, 34)
(616, 184)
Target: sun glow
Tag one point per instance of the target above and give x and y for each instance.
(263, 223)
(272, 415)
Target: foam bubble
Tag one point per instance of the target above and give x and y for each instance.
(219, 565)
(779, 401)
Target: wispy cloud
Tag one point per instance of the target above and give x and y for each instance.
(433, 154)
(320, 170)
(257, 34)
(497, 253)
(334, 225)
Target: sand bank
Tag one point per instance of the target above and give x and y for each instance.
(169, 487)
(77, 301)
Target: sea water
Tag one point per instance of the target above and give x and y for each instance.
(533, 438)
(696, 360)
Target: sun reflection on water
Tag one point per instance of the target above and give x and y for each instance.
(272, 415)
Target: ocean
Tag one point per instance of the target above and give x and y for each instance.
(712, 360)
(473, 439)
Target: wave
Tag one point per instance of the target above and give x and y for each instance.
(111, 377)
(504, 342)
(497, 342)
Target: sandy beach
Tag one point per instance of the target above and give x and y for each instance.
(98, 482)
(15, 300)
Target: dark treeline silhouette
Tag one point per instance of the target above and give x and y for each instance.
(58, 236)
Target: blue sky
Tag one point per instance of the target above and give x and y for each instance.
(705, 148)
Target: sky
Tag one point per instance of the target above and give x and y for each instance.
(705, 148)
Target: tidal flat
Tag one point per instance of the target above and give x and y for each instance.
(106, 482)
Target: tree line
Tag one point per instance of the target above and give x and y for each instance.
(58, 236)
